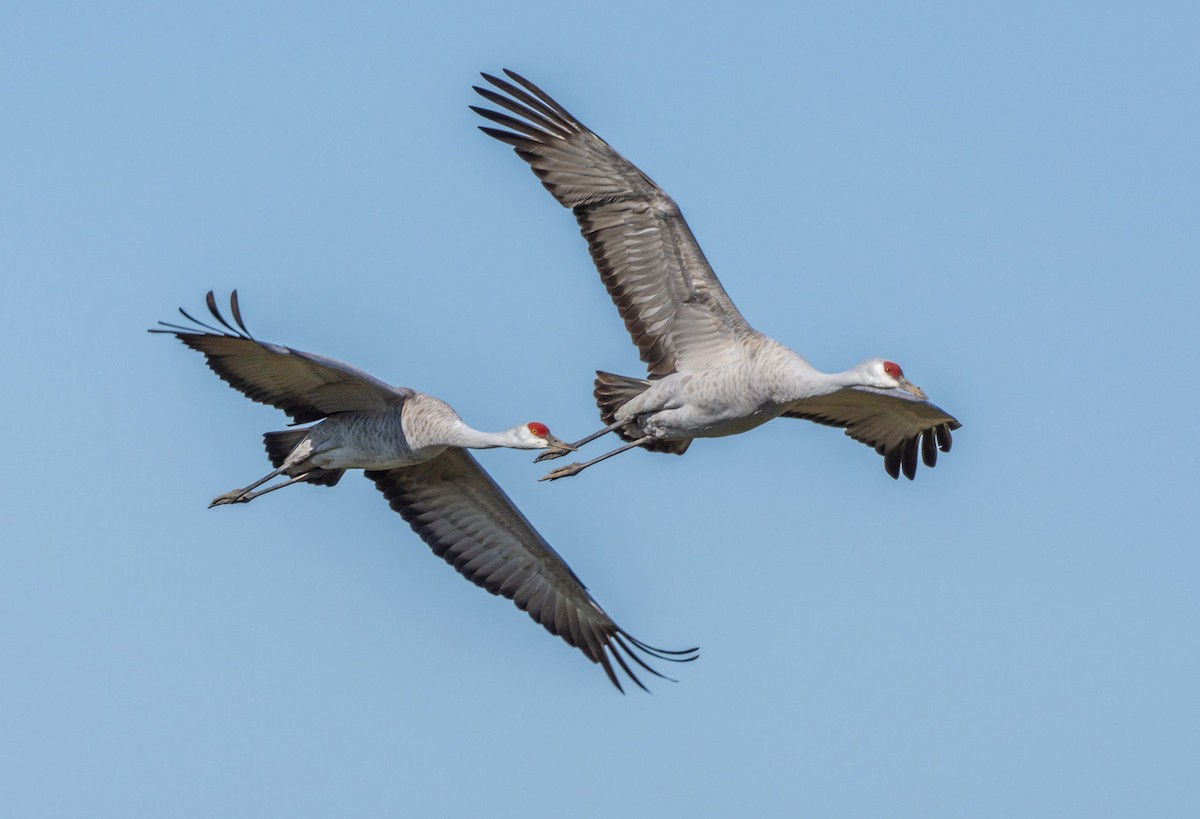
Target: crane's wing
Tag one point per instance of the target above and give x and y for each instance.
(893, 422)
(673, 305)
(464, 516)
(306, 386)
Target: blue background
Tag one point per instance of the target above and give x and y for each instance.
(1004, 200)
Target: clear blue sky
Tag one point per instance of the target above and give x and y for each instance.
(1002, 200)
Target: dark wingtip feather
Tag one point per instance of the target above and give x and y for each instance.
(197, 322)
(685, 655)
(617, 639)
(542, 125)
(612, 675)
(943, 437)
(621, 646)
(199, 327)
(616, 655)
(534, 98)
(211, 301)
(172, 329)
(524, 83)
(891, 462)
(515, 140)
(929, 448)
(237, 314)
(908, 459)
(506, 121)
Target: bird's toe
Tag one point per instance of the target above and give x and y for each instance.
(562, 472)
(236, 496)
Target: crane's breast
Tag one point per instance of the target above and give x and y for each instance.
(367, 440)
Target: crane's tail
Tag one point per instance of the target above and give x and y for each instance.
(615, 391)
(280, 444)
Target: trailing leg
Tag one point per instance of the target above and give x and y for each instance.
(245, 495)
(575, 468)
(290, 452)
(550, 454)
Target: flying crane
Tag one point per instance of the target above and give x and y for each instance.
(710, 374)
(414, 448)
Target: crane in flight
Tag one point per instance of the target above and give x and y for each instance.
(710, 373)
(414, 448)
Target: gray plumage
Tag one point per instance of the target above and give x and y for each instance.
(413, 447)
(710, 373)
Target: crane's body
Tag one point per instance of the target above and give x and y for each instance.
(415, 429)
(413, 446)
(765, 380)
(410, 430)
(415, 432)
(710, 374)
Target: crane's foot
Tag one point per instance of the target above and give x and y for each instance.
(551, 454)
(563, 472)
(236, 496)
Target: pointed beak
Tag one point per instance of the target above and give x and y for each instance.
(909, 386)
(558, 445)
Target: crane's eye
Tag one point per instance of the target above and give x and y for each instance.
(538, 429)
(893, 369)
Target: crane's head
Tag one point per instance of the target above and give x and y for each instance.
(887, 375)
(536, 435)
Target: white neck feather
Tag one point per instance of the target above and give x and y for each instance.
(805, 381)
(467, 437)
(431, 422)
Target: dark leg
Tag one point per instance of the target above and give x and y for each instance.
(550, 454)
(576, 468)
(244, 495)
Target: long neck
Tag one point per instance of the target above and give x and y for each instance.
(470, 438)
(799, 380)
(431, 422)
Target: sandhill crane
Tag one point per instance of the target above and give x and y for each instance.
(413, 446)
(710, 373)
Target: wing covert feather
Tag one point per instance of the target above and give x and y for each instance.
(894, 425)
(306, 386)
(467, 520)
(673, 305)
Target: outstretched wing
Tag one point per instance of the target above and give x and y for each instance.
(464, 516)
(673, 305)
(306, 386)
(892, 422)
